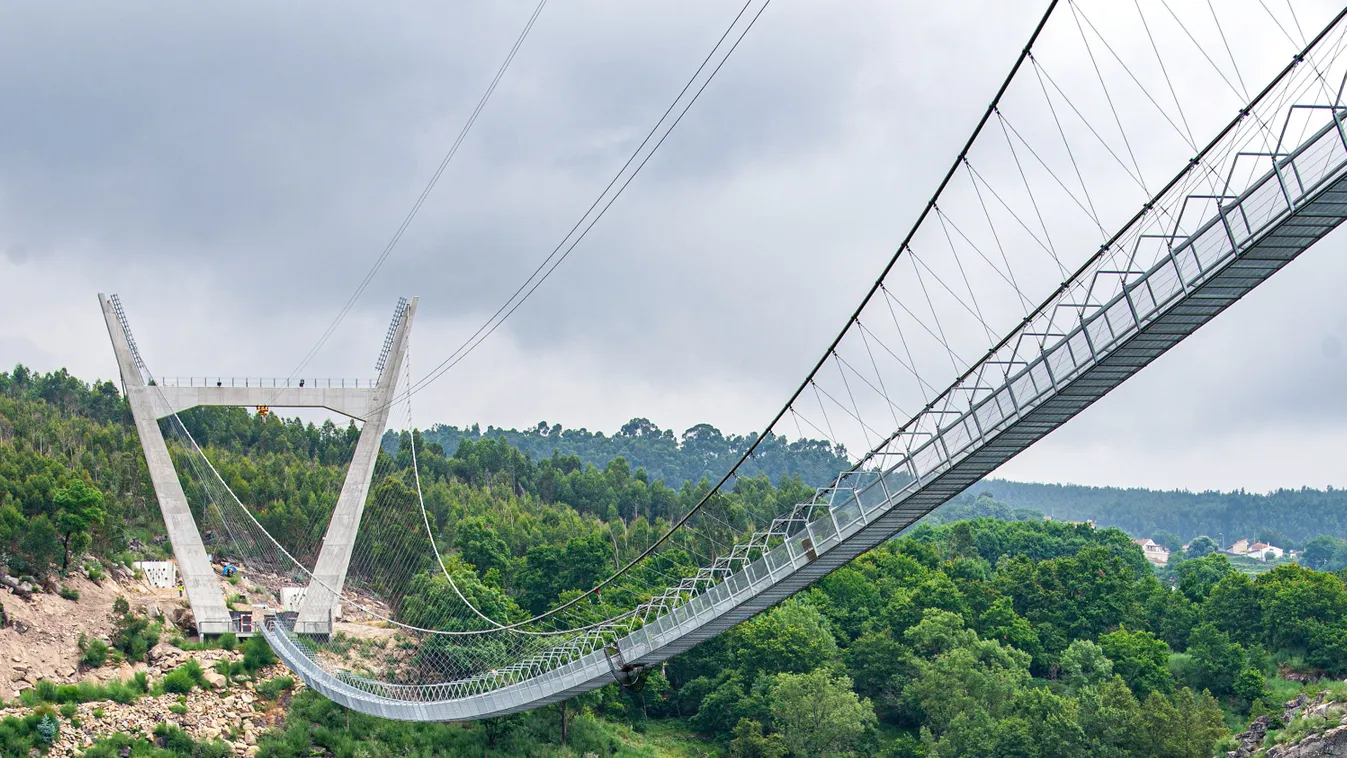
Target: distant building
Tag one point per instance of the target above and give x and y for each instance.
(1088, 522)
(1154, 552)
(1240, 547)
(1263, 551)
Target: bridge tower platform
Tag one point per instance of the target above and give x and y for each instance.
(151, 402)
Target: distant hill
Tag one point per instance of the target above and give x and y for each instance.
(702, 451)
(1297, 515)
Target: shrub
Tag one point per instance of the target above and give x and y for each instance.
(182, 679)
(228, 641)
(230, 670)
(68, 710)
(178, 708)
(69, 593)
(132, 633)
(272, 688)
(95, 654)
(45, 691)
(177, 681)
(257, 653)
(94, 570)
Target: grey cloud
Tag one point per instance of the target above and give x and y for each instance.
(233, 166)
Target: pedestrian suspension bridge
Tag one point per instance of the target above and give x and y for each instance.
(1118, 193)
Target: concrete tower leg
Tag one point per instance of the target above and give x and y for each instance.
(198, 578)
(319, 606)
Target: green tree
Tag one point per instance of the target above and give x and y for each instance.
(749, 742)
(1084, 664)
(790, 638)
(479, 545)
(1185, 726)
(79, 510)
(1250, 687)
(1140, 659)
(1198, 575)
(1110, 717)
(1202, 546)
(1319, 551)
(964, 674)
(1216, 660)
(39, 545)
(1000, 622)
(817, 714)
(1234, 606)
(1304, 603)
(872, 661)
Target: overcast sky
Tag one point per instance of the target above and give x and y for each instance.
(233, 169)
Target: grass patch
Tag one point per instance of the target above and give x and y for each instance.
(226, 641)
(118, 691)
(175, 743)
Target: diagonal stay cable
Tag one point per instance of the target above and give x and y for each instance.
(855, 316)
(1184, 173)
(562, 250)
(425, 193)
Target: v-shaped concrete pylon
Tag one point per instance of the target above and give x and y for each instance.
(319, 606)
(149, 403)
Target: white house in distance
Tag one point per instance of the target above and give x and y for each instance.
(1259, 550)
(1154, 552)
(1264, 552)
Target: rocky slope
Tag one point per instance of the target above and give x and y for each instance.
(233, 713)
(1327, 741)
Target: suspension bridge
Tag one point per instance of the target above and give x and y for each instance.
(1045, 270)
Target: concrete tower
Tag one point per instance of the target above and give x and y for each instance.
(369, 404)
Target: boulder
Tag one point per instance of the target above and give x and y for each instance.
(163, 651)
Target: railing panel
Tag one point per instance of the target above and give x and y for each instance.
(1212, 246)
(1263, 204)
(1319, 159)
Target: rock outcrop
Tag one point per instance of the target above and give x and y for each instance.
(230, 713)
(1330, 744)
(1251, 739)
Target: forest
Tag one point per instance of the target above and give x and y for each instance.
(701, 452)
(1297, 515)
(984, 631)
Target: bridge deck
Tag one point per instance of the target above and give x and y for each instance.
(1240, 245)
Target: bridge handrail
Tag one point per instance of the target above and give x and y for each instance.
(860, 497)
(267, 382)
